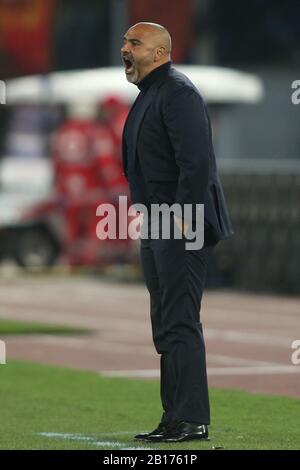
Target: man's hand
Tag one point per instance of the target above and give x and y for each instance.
(179, 222)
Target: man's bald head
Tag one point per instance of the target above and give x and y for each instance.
(159, 33)
(146, 46)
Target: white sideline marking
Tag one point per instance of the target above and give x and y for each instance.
(93, 440)
(120, 433)
(80, 438)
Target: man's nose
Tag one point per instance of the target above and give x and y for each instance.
(124, 48)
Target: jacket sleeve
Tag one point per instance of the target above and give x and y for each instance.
(187, 125)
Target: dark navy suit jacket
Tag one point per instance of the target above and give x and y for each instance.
(172, 151)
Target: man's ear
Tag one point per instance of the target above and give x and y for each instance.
(159, 53)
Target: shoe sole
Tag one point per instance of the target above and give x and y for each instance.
(148, 438)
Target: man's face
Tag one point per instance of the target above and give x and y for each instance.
(138, 53)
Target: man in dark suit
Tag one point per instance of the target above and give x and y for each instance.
(168, 159)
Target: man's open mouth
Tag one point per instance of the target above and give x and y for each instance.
(129, 67)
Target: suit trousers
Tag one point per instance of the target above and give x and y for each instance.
(175, 279)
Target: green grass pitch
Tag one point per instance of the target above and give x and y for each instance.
(45, 407)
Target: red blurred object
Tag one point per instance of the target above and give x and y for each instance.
(175, 15)
(88, 172)
(115, 111)
(25, 27)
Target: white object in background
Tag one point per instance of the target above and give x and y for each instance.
(217, 84)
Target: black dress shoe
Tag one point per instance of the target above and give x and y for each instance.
(183, 431)
(156, 434)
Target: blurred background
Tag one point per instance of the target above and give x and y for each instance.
(67, 100)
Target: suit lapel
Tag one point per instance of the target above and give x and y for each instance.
(146, 101)
(124, 147)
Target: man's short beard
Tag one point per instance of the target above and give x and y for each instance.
(134, 78)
